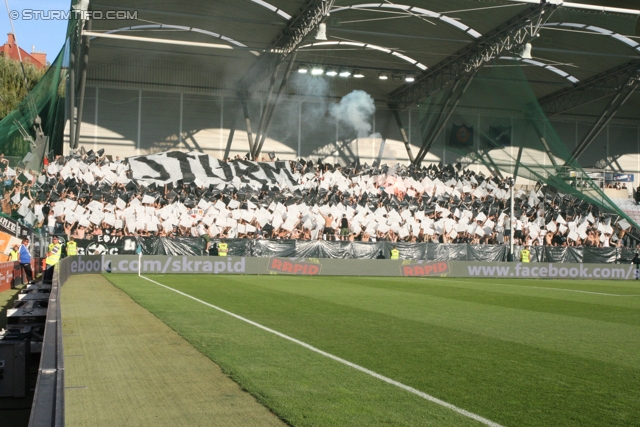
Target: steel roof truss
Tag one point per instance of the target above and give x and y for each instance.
(508, 37)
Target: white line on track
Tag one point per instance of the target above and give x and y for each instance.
(539, 287)
(338, 359)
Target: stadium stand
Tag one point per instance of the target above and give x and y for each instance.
(87, 194)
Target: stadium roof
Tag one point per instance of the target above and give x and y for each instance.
(237, 42)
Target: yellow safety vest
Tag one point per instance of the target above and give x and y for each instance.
(525, 255)
(54, 254)
(395, 254)
(14, 256)
(223, 249)
(72, 248)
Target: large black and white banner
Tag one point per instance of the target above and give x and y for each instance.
(204, 170)
(112, 245)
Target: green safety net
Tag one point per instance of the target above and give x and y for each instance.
(499, 123)
(47, 101)
(513, 136)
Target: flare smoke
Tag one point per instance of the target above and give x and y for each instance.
(355, 110)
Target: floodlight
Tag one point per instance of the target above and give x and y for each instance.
(383, 76)
(525, 53)
(331, 72)
(317, 71)
(409, 78)
(345, 73)
(322, 32)
(303, 69)
(358, 74)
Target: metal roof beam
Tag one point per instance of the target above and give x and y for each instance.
(595, 88)
(603, 9)
(507, 37)
(623, 94)
(299, 27)
(431, 133)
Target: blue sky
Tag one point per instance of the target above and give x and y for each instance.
(46, 35)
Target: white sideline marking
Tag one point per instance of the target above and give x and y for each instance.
(343, 361)
(540, 287)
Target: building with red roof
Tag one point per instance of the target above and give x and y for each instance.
(10, 50)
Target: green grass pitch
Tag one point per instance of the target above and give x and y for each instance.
(516, 352)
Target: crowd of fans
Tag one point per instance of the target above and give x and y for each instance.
(89, 194)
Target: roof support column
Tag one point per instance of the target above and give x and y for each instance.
(72, 100)
(272, 108)
(247, 121)
(517, 168)
(405, 138)
(545, 145)
(624, 93)
(495, 169)
(83, 80)
(232, 132)
(453, 99)
(75, 50)
(267, 102)
(378, 161)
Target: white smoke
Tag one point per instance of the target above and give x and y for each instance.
(355, 111)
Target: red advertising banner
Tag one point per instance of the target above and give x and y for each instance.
(288, 266)
(6, 275)
(425, 269)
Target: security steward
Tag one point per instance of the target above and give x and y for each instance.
(525, 254)
(14, 255)
(223, 248)
(53, 256)
(72, 247)
(25, 260)
(395, 253)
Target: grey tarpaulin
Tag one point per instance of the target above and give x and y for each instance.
(367, 250)
(151, 246)
(309, 249)
(182, 246)
(555, 254)
(407, 250)
(342, 250)
(486, 253)
(447, 252)
(626, 255)
(237, 247)
(370, 250)
(580, 254)
(274, 248)
(537, 253)
(576, 255)
(601, 255)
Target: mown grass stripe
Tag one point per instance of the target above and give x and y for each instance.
(388, 380)
(547, 288)
(136, 371)
(592, 308)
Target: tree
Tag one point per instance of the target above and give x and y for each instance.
(12, 84)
